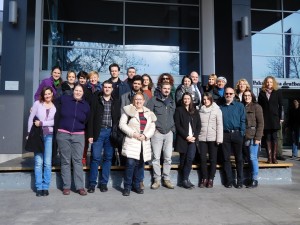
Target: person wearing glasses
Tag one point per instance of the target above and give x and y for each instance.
(254, 133)
(165, 78)
(234, 119)
(138, 123)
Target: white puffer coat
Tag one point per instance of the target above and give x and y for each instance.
(211, 124)
(132, 147)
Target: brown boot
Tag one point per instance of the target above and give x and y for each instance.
(203, 183)
(269, 151)
(274, 155)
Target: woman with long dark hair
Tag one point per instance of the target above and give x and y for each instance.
(254, 132)
(187, 122)
(42, 116)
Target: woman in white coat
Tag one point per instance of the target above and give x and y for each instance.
(211, 135)
(138, 124)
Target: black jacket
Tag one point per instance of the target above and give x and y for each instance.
(182, 119)
(272, 109)
(35, 141)
(96, 116)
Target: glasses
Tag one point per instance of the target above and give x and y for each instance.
(165, 78)
(229, 93)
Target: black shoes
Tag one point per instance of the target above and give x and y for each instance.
(103, 188)
(228, 185)
(253, 184)
(187, 184)
(91, 189)
(126, 192)
(239, 185)
(39, 193)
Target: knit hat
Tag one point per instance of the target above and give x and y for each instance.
(223, 79)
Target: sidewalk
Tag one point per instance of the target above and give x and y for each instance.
(266, 205)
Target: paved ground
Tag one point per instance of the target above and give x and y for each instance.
(266, 205)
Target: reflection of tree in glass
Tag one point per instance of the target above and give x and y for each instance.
(174, 63)
(98, 56)
(292, 59)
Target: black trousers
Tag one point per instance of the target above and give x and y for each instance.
(233, 142)
(186, 160)
(211, 148)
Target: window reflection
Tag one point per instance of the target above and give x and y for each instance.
(291, 22)
(264, 66)
(266, 21)
(266, 4)
(267, 44)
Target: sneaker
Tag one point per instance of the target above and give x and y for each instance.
(155, 185)
(45, 192)
(103, 188)
(168, 184)
(91, 189)
(39, 193)
(142, 186)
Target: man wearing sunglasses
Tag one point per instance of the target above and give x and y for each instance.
(234, 126)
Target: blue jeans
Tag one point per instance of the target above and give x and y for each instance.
(42, 165)
(103, 142)
(134, 171)
(253, 150)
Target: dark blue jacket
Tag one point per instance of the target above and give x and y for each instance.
(73, 114)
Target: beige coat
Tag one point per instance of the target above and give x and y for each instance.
(132, 147)
(211, 124)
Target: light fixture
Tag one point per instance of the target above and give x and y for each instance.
(244, 27)
(13, 12)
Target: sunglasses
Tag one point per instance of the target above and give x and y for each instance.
(229, 93)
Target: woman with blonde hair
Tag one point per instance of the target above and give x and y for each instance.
(138, 124)
(270, 99)
(212, 82)
(241, 86)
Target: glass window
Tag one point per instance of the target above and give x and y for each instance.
(291, 5)
(264, 66)
(292, 67)
(266, 21)
(291, 23)
(187, 40)
(266, 44)
(64, 33)
(85, 11)
(266, 4)
(162, 15)
(194, 2)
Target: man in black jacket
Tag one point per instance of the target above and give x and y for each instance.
(105, 113)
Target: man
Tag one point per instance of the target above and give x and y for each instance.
(119, 87)
(196, 85)
(163, 107)
(131, 72)
(126, 98)
(234, 118)
(218, 91)
(105, 113)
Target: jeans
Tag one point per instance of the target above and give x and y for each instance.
(103, 142)
(134, 170)
(211, 148)
(295, 136)
(234, 142)
(42, 165)
(162, 142)
(71, 148)
(186, 160)
(253, 150)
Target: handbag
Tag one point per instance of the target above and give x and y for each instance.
(117, 136)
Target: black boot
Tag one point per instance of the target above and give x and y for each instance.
(253, 184)
(269, 151)
(186, 184)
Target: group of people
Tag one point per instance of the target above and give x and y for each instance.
(209, 120)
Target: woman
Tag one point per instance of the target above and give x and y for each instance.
(138, 124)
(165, 77)
(270, 99)
(54, 82)
(187, 122)
(67, 87)
(241, 86)
(294, 126)
(73, 114)
(211, 135)
(186, 86)
(254, 132)
(212, 82)
(93, 86)
(147, 85)
(42, 115)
